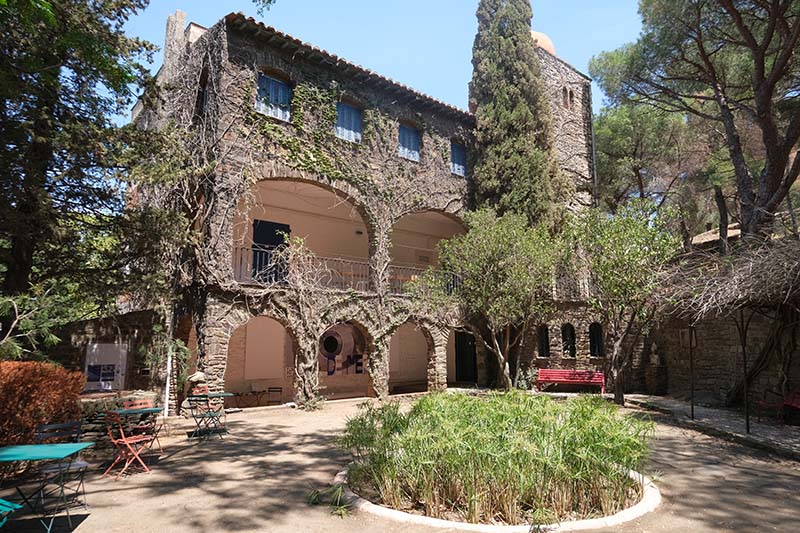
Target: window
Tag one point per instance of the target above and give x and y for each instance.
(543, 336)
(409, 142)
(571, 99)
(565, 97)
(458, 159)
(348, 122)
(596, 348)
(568, 340)
(274, 97)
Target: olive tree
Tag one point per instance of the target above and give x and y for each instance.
(500, 275)
(626, 254)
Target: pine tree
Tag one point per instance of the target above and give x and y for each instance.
(515, 169)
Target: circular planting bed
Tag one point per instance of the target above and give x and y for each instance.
(507, 460)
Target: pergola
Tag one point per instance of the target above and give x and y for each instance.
(754, 278)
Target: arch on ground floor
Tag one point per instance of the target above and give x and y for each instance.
(411, 350)
(260, 362)
(344, 354)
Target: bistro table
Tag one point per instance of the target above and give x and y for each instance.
(64, 453)
(208, 420)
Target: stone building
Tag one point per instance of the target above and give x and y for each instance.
(371, 174)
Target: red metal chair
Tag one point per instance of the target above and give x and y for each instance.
(128, 446)
(148, 424)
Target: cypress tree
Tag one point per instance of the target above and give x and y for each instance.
(515, 169)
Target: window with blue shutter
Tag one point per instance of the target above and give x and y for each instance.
(348, 122)
(409, 142)
(458, 159)
(274, 97)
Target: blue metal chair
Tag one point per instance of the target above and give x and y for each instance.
(6, 508)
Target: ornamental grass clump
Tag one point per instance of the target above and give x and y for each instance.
(511, 457)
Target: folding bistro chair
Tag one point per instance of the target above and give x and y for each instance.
(128, 446)
(6, 508)
(147, 424)
(207, 418)
(68, 474)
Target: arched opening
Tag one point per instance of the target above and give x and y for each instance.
(543, 340)
(331, 226)
(409, 350)
(260, 363)
(462, 360)
(415, 240)
(342, 358)
(568, 340)
(596, 343)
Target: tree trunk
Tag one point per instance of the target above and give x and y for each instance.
(617, 365)
(722, 207)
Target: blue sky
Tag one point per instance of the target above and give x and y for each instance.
(426, 44)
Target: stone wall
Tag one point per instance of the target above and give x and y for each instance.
(572, 125)
(718, 364)
(134, 329)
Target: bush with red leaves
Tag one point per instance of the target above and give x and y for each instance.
(33, 393)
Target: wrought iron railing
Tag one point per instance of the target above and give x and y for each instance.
(264, 265)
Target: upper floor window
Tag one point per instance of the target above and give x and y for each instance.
(274, 97)
(458, 159)
(348, 122)
(409, 142)
(568, 340)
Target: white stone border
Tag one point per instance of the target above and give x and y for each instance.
(650, 500)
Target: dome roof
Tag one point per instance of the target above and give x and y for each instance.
(543, 42)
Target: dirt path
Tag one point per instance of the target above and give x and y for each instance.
(257, 479)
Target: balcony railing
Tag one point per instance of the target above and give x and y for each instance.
(262, 265)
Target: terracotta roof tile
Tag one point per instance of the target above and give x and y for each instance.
(243, 21)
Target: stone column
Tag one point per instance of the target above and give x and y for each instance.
(437, 358)
(378, 364)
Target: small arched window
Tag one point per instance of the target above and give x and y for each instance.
(543, 337)
(571, 99)
(565, 97)
(568, 340)
(596, 348)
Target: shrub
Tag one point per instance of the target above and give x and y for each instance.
(512, 457)
(33, 393)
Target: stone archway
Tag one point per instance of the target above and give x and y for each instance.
(260, 361)
(410, 351)
(344, 356)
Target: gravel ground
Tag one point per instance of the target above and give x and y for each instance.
(257, 479)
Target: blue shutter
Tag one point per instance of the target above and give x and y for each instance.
(348, 122)
(409, 143)
(274, 97)
(458, 159)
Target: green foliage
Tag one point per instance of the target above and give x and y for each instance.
(333, 496)
(73, 235)
(512, 457)
(640, 151)
(504, 271)
(626, 255)
(732, 64)
(515, 169)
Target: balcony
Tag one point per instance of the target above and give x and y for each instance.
(262, 265)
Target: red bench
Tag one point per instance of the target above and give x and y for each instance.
(571, 377)
(792, 400)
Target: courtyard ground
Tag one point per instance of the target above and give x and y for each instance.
(257, 479)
